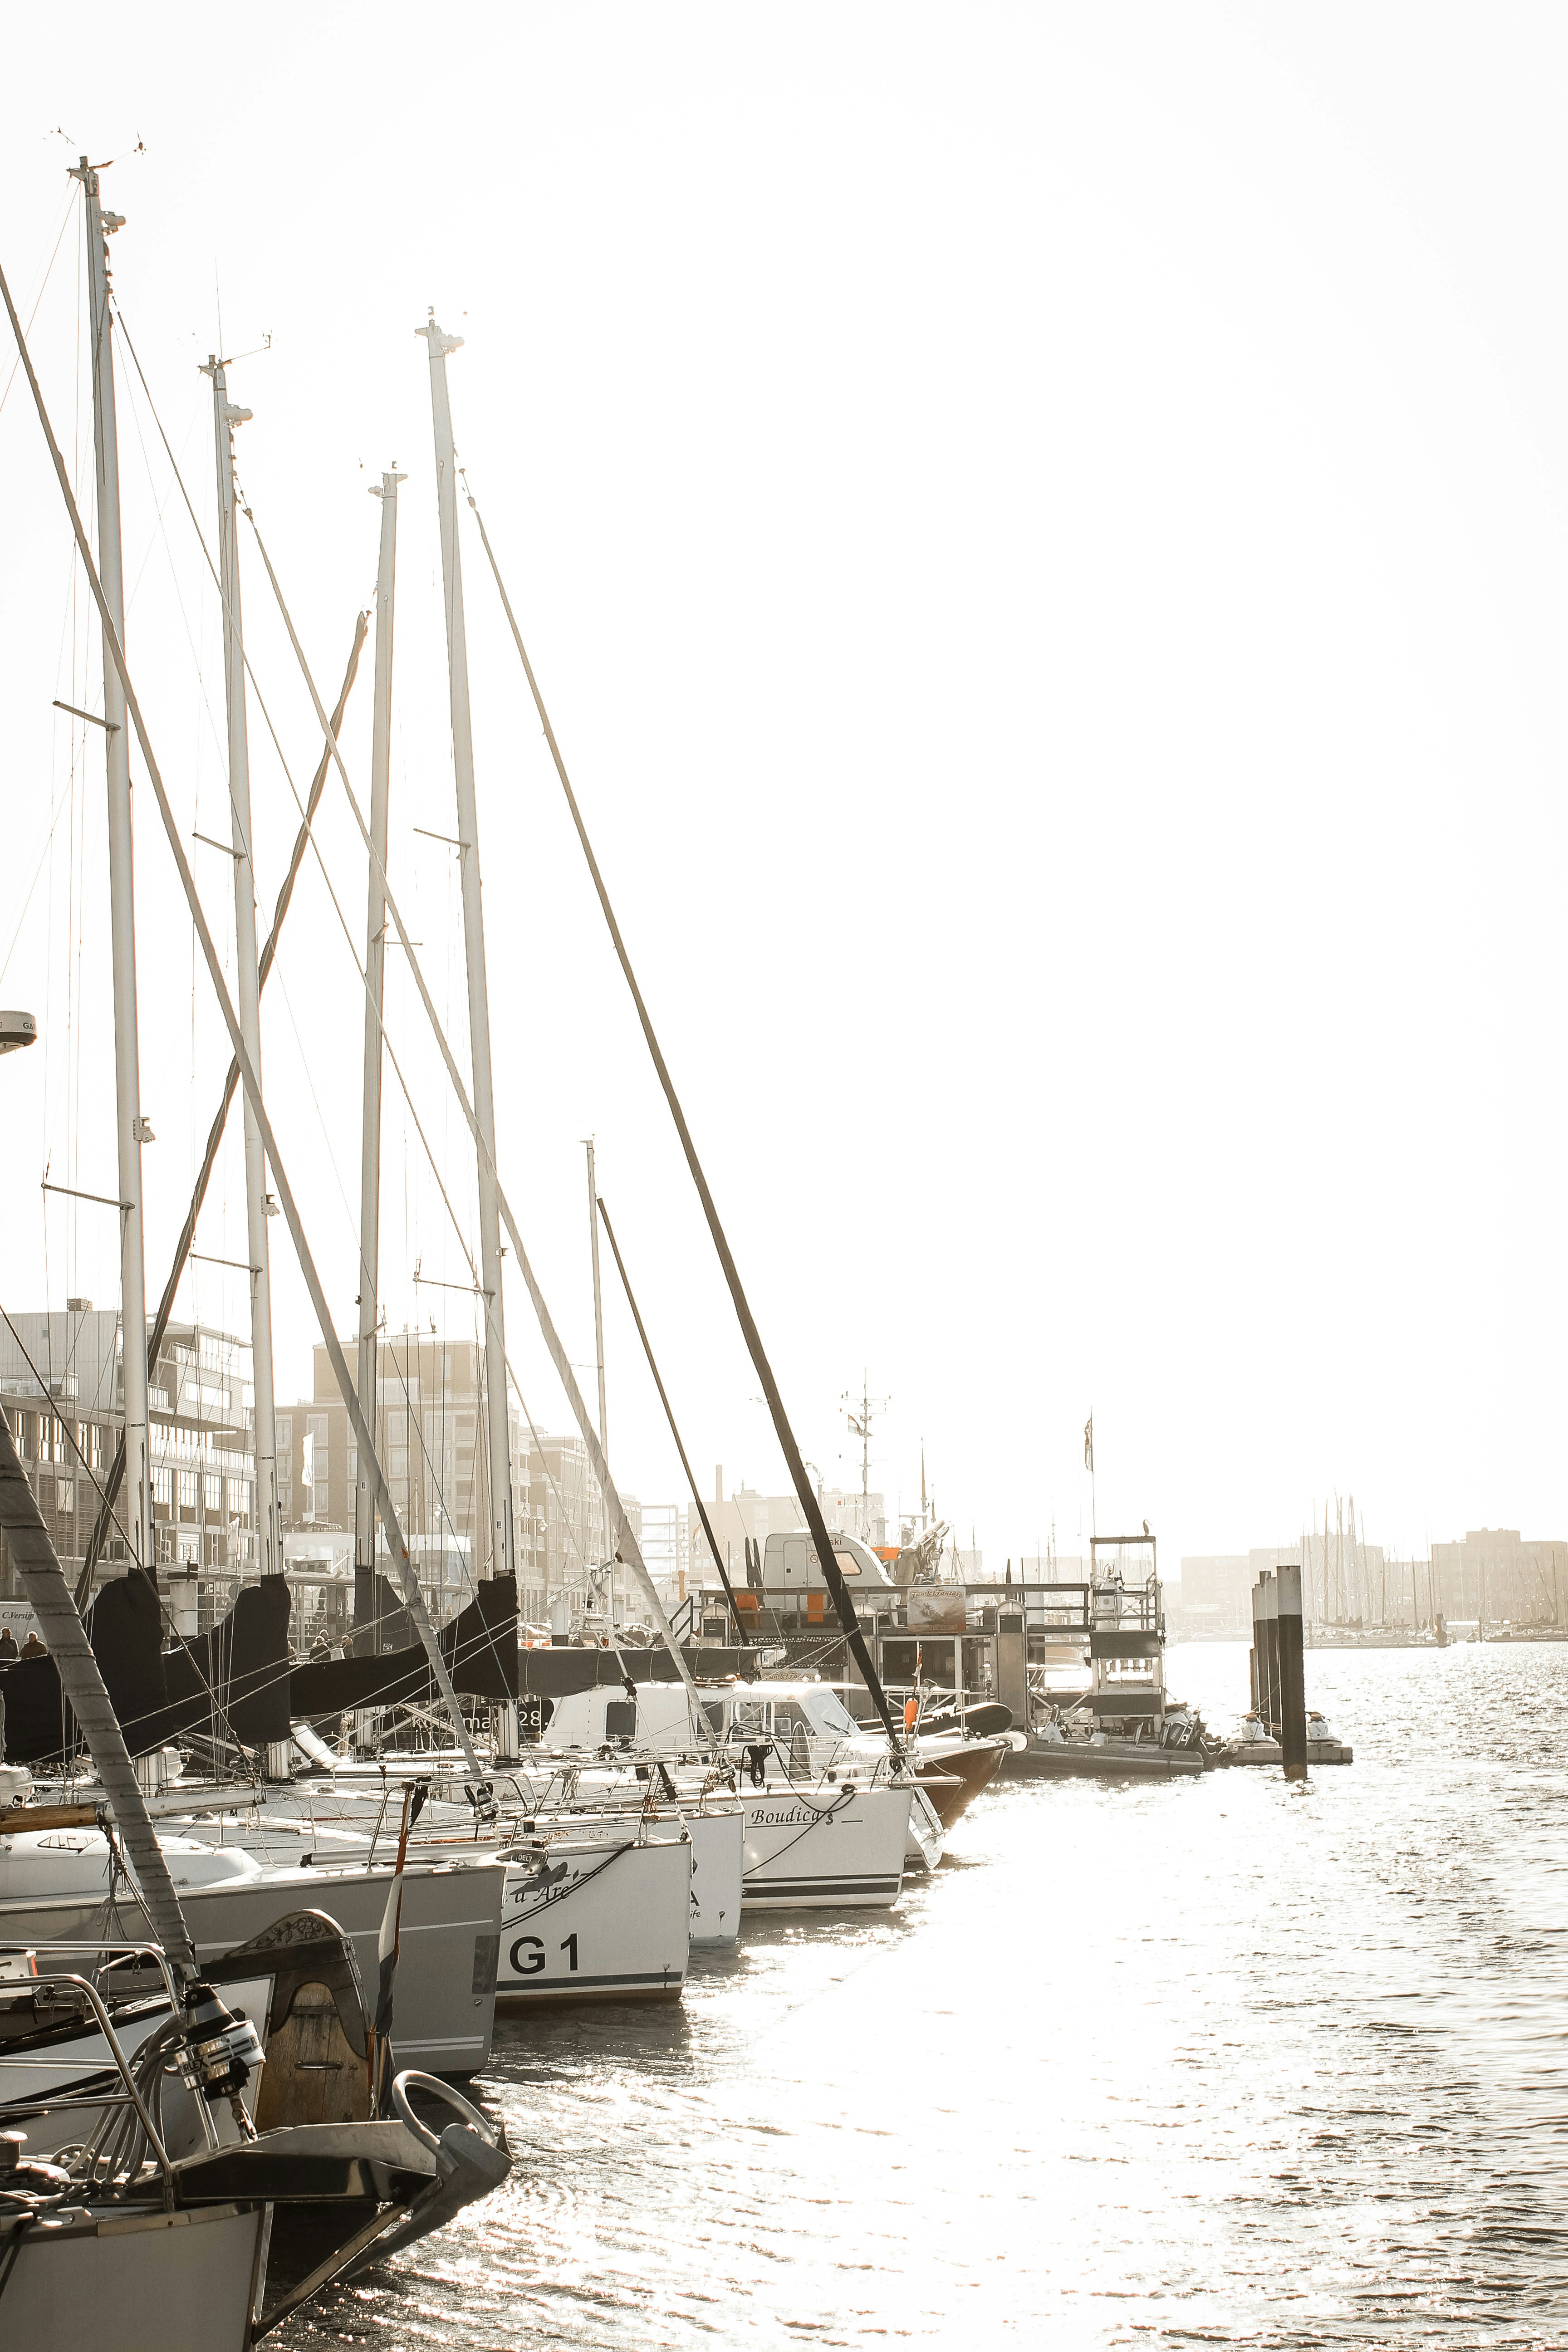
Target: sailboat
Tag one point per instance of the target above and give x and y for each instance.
(127, 2245)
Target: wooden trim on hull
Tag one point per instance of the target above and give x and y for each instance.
(971, 1768)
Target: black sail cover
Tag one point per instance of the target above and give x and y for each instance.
(230, 1684)
(479, 1646)
(239, 1682)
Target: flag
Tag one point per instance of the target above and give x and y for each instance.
(387, 1946)
(1089, 1443)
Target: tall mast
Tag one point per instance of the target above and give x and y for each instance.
(598, 1304)
(132, 1129)
(502, 1546)
(374, 976)
(268, 1524)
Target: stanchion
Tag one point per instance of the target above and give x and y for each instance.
(1292, 1688)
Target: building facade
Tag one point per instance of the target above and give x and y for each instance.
(62, 1384)
(1496, 1577)
(430, 1438)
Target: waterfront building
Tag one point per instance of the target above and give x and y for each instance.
(61, 1379)
(1496, 1577)
(429, 1435)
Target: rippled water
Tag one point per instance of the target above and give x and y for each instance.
(1215, 2062)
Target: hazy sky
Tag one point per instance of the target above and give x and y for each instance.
(1042, 531)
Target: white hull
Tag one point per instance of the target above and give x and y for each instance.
(718, 1869)
(826, 1848)
(594, 1916)
(443, 2005)
(137, 2281)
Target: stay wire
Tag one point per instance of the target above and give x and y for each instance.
(782, 1426)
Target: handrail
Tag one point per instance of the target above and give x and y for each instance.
(106, 2026)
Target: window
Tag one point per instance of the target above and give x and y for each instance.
(398, 1468)
(187, 1490)
(213, 1492)
(316, 1427)
(285, 1426)
(397, 1428)
(354, 1465)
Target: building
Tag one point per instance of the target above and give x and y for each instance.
(430, 1437)
(747, 1517)
(570, 1523)
(1215, 1593)
(1495, 1576)
(61, 1379)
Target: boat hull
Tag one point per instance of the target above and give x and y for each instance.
(836, 1848)
(596, 1918)
(136, 2280)
(972, 1765)
(718, 1874)
(444, 2004)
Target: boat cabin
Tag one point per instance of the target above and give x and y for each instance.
(802, 1718)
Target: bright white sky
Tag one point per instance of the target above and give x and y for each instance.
(1042, 531)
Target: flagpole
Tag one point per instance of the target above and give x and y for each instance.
(1089, 1463)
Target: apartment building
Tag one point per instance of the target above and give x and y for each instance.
(62, 1384)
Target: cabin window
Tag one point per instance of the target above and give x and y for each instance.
(831, 1714)
(750, 1718)
(846, 1566)
(621, 1719)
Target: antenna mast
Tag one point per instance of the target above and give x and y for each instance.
(268, 1524)
(503, 1543)
(131, 1130)
(374, 981)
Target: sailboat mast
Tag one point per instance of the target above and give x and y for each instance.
(132, 1129)
(247, 991)
(598, 1304)
(504, 1546)
(374, 974)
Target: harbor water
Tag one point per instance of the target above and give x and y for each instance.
(1206, 2062)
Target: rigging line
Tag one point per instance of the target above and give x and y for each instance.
(332, 742)
(832, 1575)
(87, 1468)
(601, 1467)
(201, 539)
(414, 1599)
(670, 1416)
(161, 1321)
(48, 268)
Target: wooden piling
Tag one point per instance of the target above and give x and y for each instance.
(1292, 1672)
(1268, 1653)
